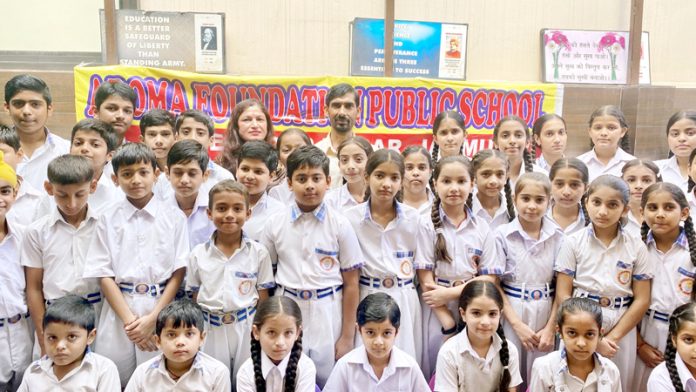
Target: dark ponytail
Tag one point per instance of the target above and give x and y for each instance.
(509, 200)
(504, 353)
(256, 353)
(691, 239)
(528, 161)
(441, 253)
(681, 314)
(293, 361)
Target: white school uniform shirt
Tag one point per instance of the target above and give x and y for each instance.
(95, 373)
(198, 225)
(340, 199)
(597, 168)
(206, 374)
(578, 225)
(163, 188)
(674, 274)
(30, 204)
(229, 283)
(388, 251)
(138, 245)
(353, 372)
(274, 375)
(260, 213)
(660, 380)
(604, 270)
(217, 173)
(460, 368)
(282, 193)
(12, 282)
(470, 246)
(535, 169)
(632, 225)
(669, 171)
(105, 194)
(334, 171)
(498, 219)
(311, 249)
(543, 164)
(528, 260)
(34, 169)
(60, 250)
(551, 373)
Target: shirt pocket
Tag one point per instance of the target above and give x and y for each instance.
(624, 273)
(404, 262)
(327, 259)
(685, 282)
(244, 283)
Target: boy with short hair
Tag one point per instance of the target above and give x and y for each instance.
(181, 366)
(31, 203)
(97, 141)
(257, 161)
(53, 249)
(139, 253)
(28, 101)
(15, 335)
(157, 132)
(228, 275)
(319, 260)
(114, 103)
(196, 125)
(69, 365)
(187, 170)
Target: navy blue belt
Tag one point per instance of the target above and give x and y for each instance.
(218, 319)
(153, 290)
(660, 316)
(386, 283)
(450, 283)
(528, 294)
(606, 302)
(14, 319)
(92, 298)
(309, 294)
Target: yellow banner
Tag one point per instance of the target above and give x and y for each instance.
(394, 112)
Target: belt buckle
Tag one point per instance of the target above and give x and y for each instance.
(457, 283)
(388, 283)
(14, 319)
(228, 318)
(536, 294)
(141, 288)
(305, 294)
(604, 302)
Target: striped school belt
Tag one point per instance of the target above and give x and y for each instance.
(217, 319)
(92, 298)
(14, 319)
(450, 283)
(528, 292)
(311, 293)
(387, 283)
(606, 302)
(153, 290)
(657, 315)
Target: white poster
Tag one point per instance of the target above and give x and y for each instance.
(453, 51)
(209, 32)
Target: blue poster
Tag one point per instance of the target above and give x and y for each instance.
(421, 49)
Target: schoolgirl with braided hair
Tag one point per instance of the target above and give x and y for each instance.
(639, 174)
(681, 139)
(549, 135)
(673, 247)
(449, 134)
(453, 248)
(492, 198)
(512, 137)
(569, 180)
(379, 319)
(459, 363)
(608, 130)
(419, 167)
(277, 363)
(677, 373)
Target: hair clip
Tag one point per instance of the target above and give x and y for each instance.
(439, 230)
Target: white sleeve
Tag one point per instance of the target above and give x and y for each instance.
(514, 366)
(418, 381)
(245, 377)
(446, 372)
(307, 380)
(338, 380)
(659, 380)
(193, 279)
(491, 263)
(349, 251)
(538, 381)
(425, 246)
(265, 279)
(31, 252)
(109, 380)
(566, 262)
(222, 380)
(135, 384)
(181, 242)
(99, 255)
(266, 239)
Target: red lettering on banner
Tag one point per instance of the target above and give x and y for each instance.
(137, 86)
(375, 100)
(201, 96)
(494, 110)
(232, 94)
(249, 92)
(538, 102)
(292, 110)
(219, 102)
(477, 107)
(391, 107)
(510, 103)
(465, 103)
(156, 93)
(95, 82)
(310, 98)
(408, 108)
(323, 121)
(446, 101)
(275, 102)
(179, 101)
(526, 108)
(423, 121)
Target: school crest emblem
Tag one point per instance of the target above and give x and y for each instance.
(686, 285)
(245, 287)
(406, 268)
(327, 263)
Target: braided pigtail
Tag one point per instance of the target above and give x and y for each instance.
(644, 229)
(624, 142)
(470, 201)
(534, 148)
(528, 161)
(291, 370)
(441, 253)
(583, 209)
(670, 355)
(508, 201)
(504, 360)
(256, 353)
(691, 239)
(436, 152)
(690, 187)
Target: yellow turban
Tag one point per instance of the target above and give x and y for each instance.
(6, 172)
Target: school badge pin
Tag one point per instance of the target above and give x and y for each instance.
(406, 268)
(245, 287)
(624, 277)
(686, 285)
(327, 263)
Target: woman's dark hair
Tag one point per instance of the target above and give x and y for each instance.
(678, 196)
(539, 125)
(527, 157)
(233, 142)
(576, 305)
(681, 314)
(613, 111)
(476, 163)
(680, 115)
(378, 307)
(483, 288)
(451, 114)
(441, 253)
(382, 156)
(580, 167)
(266, 309)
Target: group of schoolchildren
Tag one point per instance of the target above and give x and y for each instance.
(146, 266)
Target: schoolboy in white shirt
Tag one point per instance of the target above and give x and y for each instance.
(15, 335)
(196, 125)
(181, 366)
(228, 275)
(257, 161)
(378, 365)
(157, 132)
(187, 170)
(139, 253)
(69, 365)
(97, 141)
(318, 258)
(54, 248)
(28, 101)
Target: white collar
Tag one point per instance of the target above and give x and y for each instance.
(267, 365)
